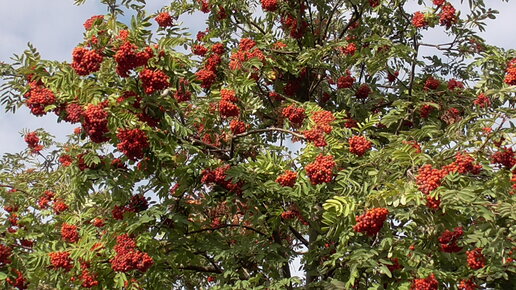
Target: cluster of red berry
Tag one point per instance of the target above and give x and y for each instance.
(88, 279)
(345, 82)
(85, 61)
(463, 164)
(137, 203)
(359, 145)
(449, 239)
(5, 255)
(199, 49)
(133, 143)
(295, 114)
(98, 222)
(128, 257)
(316, 136)
(482, 101)
(70, 233)
(432, 83)
(476, 259)
(294, 213)
(95, 123)
(219, 177)
(350, 49)
(269, 5)
(426, 110)
(321, 170)
(237, 127)
(429, 178)
(455, 84)
(467, 284)
(287, 179)
(59, 206)
(45, 199)
(38, 97)
(88, 24)
(32, 141)
(74, 113)
(20, 282)
(504, 157)
(247, 50)
(371, 222)
(154, 80)
(61, 260)
(164, 19)
(297, 27)
(448, 15)
(419, 20)
(227, 106)
(510, 78)
(183, 94)
(127, 57)
(363, 91)
(323, 120)
(395, 265)
(428, 283)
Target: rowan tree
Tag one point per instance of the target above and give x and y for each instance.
(289, 133)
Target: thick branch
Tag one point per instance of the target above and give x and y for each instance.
(299, 236)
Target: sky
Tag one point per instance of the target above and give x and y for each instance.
(55, 27)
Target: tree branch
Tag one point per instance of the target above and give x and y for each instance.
(272, 129)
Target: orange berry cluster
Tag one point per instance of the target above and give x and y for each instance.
(95, 123)
(20, 282)
(127, 256)
(476, 259)
(316, 136)
(5, 255)
(463, 164)
(345, 82)
(287, 179)
(219, 177)
(321, 170)
(467, 284)
(449, 239)
(429, 178)
(510, 78)
(227, 106)
(154, 80)
(61, 260)
(237, 127)
(323, 120)
(86, 61)
(164, 19)
(128, 58)
(359, 145)
(32, 141)
(428, 283)
(371, 222)
(133, 143)
(269, 5)
(70, 233)
(504, 157)
(38, 97)
(296, 115)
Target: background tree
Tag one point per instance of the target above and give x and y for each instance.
(183, 173)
